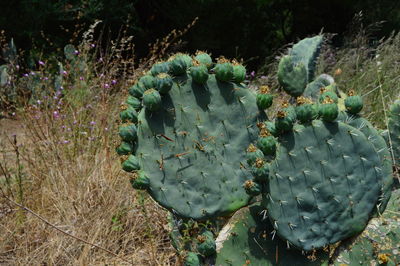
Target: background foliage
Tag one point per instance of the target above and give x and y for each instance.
(248, 29)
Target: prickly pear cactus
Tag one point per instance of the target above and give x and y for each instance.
(394, 131)
(324, 182)
(247, 240)
(297, 69)
(326, 176)
(189, 140)
(381, 149)
(379, 243)
(313, 88)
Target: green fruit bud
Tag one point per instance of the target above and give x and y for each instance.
(253, 153)
(191, 259)
(239, 73)
(267, 145)
(152, 100)
(124, 148)
(328, 94)
(140, 180)
(137, 90)
(204, 59)
(270, 126)
(252, 188)
(223, 70)
(199, 73)
(128, 115)
(149, 82)
(306, 111)
(128, 133)
(133, 102)
(131, 164)
(353, 103)
(179, 64)
(162, 67)
(328, 110)
(285, 119)
(264, 99)
(164, 83)
(206, 244)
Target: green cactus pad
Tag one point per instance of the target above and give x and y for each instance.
(307, 51)
(247, 240)
(381, 148)
(297, 69)
(152, 100)
(199, 74)
(313, 88)
(379, 244)
(292, 76)
(323, 185)
(394, 131)
(194, 148)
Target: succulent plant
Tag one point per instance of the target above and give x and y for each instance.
(199, 142)
(190, 139)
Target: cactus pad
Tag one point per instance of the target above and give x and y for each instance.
(192, 147)
(379, 243)
(394, 131)
(307, 51)
(382, 150)
(247, 240)
(324, 183)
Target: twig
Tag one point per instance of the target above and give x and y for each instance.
(62, 231)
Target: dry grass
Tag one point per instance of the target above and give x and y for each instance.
(370, 67)
(71, 176)
(57, 159)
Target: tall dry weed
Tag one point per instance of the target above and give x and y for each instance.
(60, 157)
